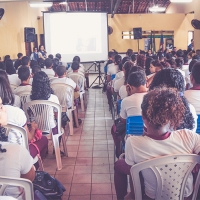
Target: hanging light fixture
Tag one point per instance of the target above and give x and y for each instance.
(156, 8)
(181, 1)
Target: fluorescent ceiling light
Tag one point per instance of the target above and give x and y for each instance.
(40, 5)
(64, 3)
(157, 9)
(181, 1)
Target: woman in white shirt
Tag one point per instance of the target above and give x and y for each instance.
(114, 67)
(163, 111)
(173, 78)
(15, 160)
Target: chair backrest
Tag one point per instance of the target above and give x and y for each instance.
(41, 110)
(198, 124)
(134, 125)
(119, 102)
(18, 182)
(22, 131)
(63, 91)
(171, 174)
(113, 76)
(23, 97)
(13, 87)
(78, 79)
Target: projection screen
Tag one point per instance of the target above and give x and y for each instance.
(71, 34)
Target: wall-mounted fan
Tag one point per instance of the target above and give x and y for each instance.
(195, 23)
(110, 30)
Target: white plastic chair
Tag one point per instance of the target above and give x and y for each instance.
(23, 97)
(80, 80)
(13, 87)
(41, 110)
(24, 143)
(171, 174)
(62, 91)
(18, 182)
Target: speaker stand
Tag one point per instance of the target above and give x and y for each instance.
(138, 42)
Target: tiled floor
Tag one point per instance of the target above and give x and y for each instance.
(87, 173)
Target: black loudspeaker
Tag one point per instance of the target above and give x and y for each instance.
(195, 23)
(137, 33)
(1, 12)
(29, 34)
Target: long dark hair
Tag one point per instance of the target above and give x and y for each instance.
(10, 67)
(147, 65)
(41, 89)
(172, 78)
(6, 93)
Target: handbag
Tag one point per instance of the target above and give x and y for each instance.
(49, 186)
(37, 136)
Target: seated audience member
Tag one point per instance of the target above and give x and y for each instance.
(62, 78)
(18, 62)
(58, 55)
(148, 63)
(9, 67)
(42, 53)
(129, 53)
(49, 71)
(2, 66)
(134, 59)
(189, 55)
(35, 69)
(7, 91)
(50, 56)
(109, 61)
(81, 67)
(6, 57)
(41, 62)
(34, 54)
(26, 61)
(163, 111)
(79, 80)
(41, 90)
(114, 67)
(123, 81)
(130, 69)
(55, 64)
(168, 56)
(24, 76)
(179, 65)
(193, 94)
(15, 160)
(141, 60)
(33, 62)
(12, 76)
(149, 53)
(173, 78)
(192, 64)
(136, 89)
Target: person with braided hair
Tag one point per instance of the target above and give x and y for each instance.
(15, 160)
(163, 112)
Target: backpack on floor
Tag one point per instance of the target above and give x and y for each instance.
(49, 186)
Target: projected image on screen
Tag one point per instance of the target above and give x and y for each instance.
(71, 34)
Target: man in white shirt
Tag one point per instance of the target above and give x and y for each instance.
(26, 61)
(136, 89)
(24, 76)
(49, 71)
(62, 78)
(193, 94)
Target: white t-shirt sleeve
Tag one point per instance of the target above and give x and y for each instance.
(129, 154)
(123, 113)
(194, 114)
(26, 161)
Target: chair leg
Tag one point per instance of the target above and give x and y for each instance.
(76, 118)
(57, 151)
(64, 144)
(71, 128)
(82, 103)
(85, 99)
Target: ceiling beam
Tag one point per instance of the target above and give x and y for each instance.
(115, 8)
(111, 6)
